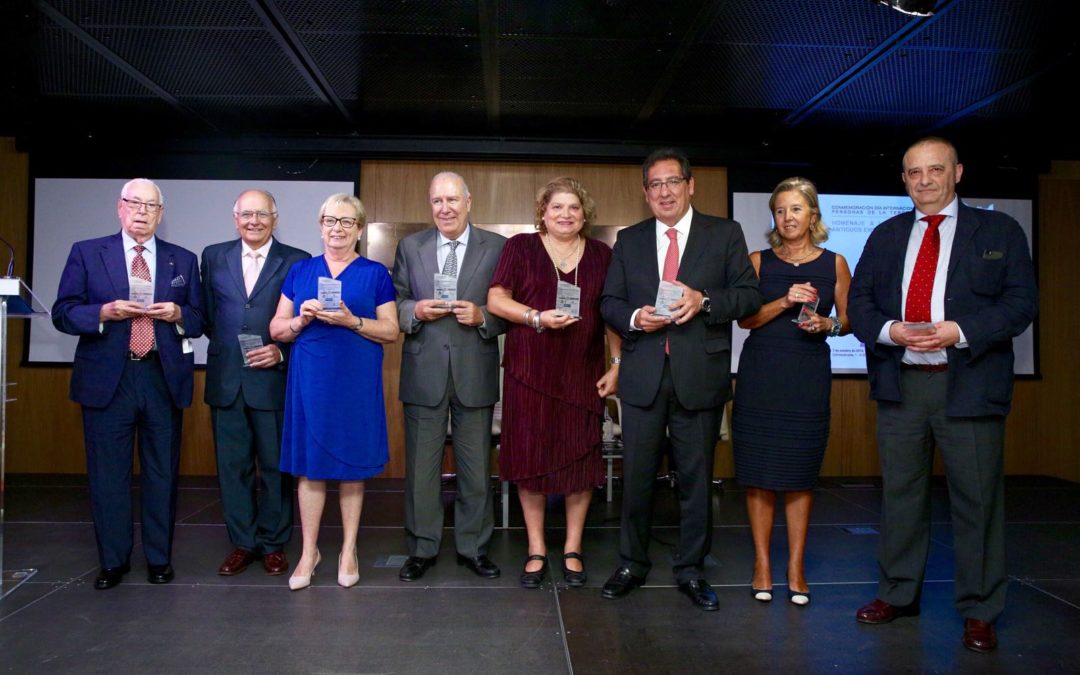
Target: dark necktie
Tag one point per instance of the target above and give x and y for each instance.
(449, 267)
(921, 287)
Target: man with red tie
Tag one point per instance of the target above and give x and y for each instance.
(135, 302)
(937, 297)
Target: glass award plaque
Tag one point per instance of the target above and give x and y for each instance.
(807, 311)
(248, 343)
(568, 299)
(445, 290)
(666, 294)
(140, 292)
(330, 294)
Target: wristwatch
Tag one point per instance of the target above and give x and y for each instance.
(706, 304)
(359, 325)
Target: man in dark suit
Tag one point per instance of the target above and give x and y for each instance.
(132, 372)
(936, 299)
(246, 391)
(676, 371)
(449, 370)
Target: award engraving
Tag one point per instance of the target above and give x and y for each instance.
(330, 294)
(248, 343)
(568, 299)
(666, 294)
(141, 292)
(445, 290)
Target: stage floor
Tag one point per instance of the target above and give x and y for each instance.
(453, 622)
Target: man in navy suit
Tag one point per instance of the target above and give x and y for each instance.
(241, 282)
(676, 371)
(132, 372)
(937, 297)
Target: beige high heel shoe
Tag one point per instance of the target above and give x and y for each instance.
(298, 582)
(348, 580)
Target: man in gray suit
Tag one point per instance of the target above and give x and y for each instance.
(246, 392)
(449, 370)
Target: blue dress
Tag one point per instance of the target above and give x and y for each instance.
(335, 421)
(780, 420)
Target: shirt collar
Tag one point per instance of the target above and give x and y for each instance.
(949, 211)
(263, 250)
(129, 243)
(463, 239)
(683, 226)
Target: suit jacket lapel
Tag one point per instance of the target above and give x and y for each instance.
(647, 252)
(695, 245)
(474, 253)
(115, 263)
(965, 230)
(273, 261)
(429, 262)
(234, 265)
(165, 273)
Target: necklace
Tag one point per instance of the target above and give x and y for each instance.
(562, 262)
(796, 261)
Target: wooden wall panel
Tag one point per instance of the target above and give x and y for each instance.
(45, 429)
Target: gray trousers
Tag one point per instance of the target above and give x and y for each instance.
(425, 441)
(972, 449)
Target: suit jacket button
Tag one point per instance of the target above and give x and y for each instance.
(247, 306)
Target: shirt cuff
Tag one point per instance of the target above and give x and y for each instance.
(962, 343)
(633, 319)
(883, 337)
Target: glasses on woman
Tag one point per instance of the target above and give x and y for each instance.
(346, 223)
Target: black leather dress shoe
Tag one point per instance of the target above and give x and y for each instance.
(620, 583)
(481, 566)
(159, 574)
(701, 594)
(110, 576)
(415, 567)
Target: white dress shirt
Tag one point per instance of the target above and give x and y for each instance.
(662, 244)
(246, 260)
(443, 248)
(947, 232)
(149, 255)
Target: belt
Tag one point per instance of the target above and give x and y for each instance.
(151, 355)
(926, 367)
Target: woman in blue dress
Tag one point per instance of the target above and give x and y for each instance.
(335, 422)
(780, 422)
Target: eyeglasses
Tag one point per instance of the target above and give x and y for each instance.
(136, 205)
(671, 183)
(248, 215)
(346, 223)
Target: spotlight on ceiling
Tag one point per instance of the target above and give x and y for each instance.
(913, 7)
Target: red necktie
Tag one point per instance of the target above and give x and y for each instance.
(671, 266)
(142, 327)
(921, 286)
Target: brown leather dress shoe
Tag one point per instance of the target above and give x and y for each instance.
(880, 611)
(236, 562)
(979, 636)
(275, 563)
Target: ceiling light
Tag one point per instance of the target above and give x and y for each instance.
(913, 7)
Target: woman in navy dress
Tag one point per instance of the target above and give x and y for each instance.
(780, 425)
(335, 422)
(555, 376)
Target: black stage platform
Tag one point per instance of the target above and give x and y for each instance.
(453, 622)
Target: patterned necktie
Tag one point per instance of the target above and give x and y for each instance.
(251, 274)
(921, 287)
(449, 267)
(142, 327)
(671, 267)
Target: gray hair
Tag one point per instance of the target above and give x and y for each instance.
(454, 176)
(133, 181)
(265, 193)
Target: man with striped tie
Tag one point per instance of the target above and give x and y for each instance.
(135, 303)
(449, 372)
(937, 297)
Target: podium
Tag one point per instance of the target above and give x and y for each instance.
(17, 301)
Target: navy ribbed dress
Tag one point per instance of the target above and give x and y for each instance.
(780, 424)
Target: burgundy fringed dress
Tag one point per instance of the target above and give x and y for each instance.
(552, 415)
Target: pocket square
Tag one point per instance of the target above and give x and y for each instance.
(178, 281)
(992, 255)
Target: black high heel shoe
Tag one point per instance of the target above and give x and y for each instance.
(534, 579)
(798, 598)
(574, 579)
(761, 594)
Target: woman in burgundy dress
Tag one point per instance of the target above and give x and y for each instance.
(555, 377)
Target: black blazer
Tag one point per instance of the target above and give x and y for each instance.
(230, 312)
(715, 261)
(990, 292)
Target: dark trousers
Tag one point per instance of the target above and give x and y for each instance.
(972, 449)
(692, 435)
(425, 443)
(141, 404)
(256, 497)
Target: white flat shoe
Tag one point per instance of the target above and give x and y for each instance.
(348, 580)
(298, 581)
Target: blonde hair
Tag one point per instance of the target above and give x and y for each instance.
(819, 231)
